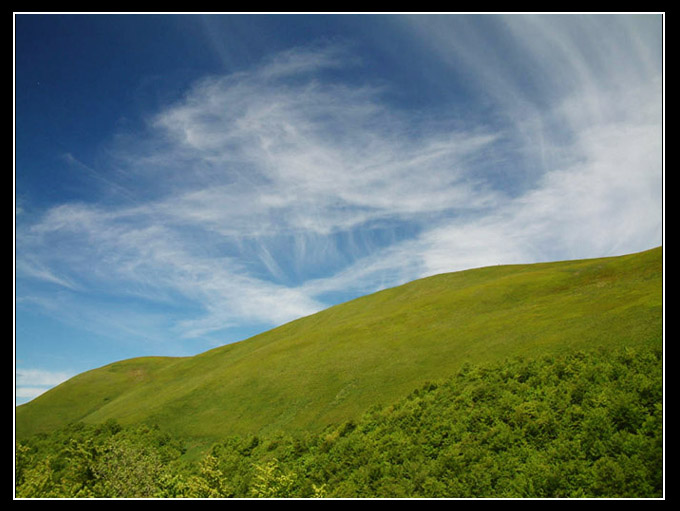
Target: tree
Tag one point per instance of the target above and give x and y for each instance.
(271, 481)
(127, 470)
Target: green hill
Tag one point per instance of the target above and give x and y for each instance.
(333, 366)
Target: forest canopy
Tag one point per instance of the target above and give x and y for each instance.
(581, 424)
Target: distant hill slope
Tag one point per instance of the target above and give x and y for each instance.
(334, 365)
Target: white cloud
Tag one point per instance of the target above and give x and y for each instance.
(267, 159)
(39, 271)
(30, 392)
(588, 119)
(31, 383)
(40, 378)
(253, 190)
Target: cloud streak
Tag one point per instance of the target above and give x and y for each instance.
(33, 382)
(262, 194)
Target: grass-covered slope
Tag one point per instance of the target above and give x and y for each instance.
(334, 365)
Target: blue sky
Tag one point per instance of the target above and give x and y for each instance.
(186, 181)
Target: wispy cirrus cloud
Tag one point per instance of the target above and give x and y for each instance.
(581, 99)
(256, 164)
(263, 193)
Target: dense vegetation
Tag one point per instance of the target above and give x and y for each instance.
(585, 423)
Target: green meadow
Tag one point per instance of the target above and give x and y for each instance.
(335, 365)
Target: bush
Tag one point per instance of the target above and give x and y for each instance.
(575, 425)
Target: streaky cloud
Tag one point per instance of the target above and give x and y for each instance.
(262, 193)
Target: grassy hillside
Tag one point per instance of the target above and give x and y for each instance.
(334, 365)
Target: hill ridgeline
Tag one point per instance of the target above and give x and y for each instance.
(333, 366)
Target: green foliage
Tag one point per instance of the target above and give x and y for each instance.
(557, 391)
(271, 481)
(209, 481)
(34, 477)
(96, 461)
(579, 424)
(126, 469)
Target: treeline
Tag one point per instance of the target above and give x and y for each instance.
(575, 425)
